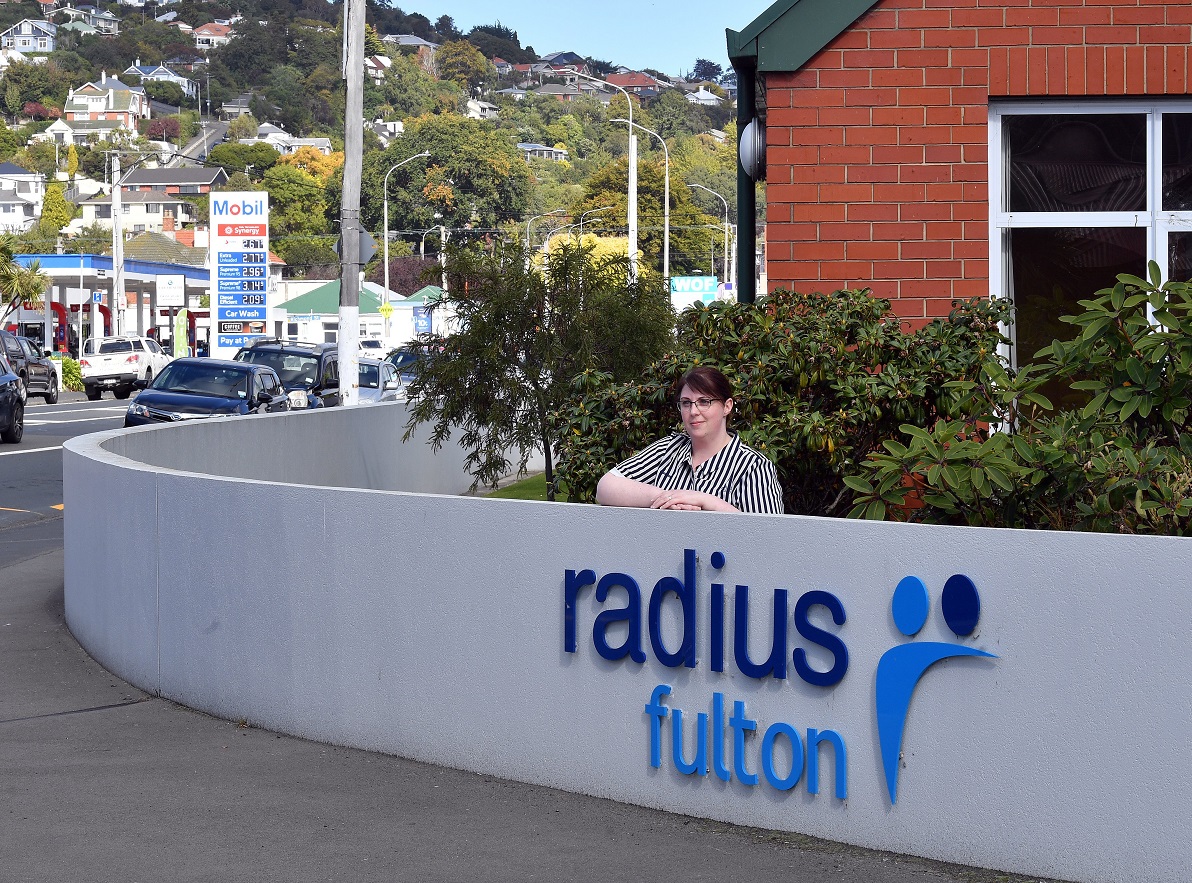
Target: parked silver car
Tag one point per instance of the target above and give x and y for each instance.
(379, 382)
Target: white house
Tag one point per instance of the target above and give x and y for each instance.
(21, 196)
(161, 73)
(704, 98)
(140, 211)
(481, 110)
(283, 142)
(209, 36)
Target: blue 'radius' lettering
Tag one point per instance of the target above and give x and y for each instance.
(898, 673)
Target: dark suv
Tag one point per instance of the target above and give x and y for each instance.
(308, 371)
(35, 371)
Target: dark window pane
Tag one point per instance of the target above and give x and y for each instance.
(1177, 162)
(1052, 269)
(1179, 257)
(1077, 162)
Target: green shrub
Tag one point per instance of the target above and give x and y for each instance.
(1120, 463)
(822, 381)
(72, 377)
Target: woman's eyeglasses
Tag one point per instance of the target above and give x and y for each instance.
(703, 404)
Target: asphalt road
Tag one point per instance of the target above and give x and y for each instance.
(102, 782)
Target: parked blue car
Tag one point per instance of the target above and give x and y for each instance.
(194, 388)
(12, 403)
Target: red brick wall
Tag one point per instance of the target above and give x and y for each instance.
(877, 147)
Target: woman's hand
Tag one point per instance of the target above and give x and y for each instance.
(693, 501)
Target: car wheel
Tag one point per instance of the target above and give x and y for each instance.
(52, 395)
(13, 434)
(122, 392)
(22, 389)
(94, 394)
(148, 375)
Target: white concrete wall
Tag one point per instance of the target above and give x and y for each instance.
(432, 627)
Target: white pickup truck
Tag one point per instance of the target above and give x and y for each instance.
(116, 363)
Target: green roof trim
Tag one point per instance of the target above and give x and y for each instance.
(428, 294)
(789, 34)
(324, 300)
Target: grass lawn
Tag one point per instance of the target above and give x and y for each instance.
(532, 488)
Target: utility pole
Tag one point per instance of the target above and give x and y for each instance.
(117, 260)
(349, 219)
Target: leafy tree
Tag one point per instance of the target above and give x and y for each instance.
(308, 256)
(314, 162)
(297, 201)
(243, 127)
(498, 41)
(258, 157)
(446, 29)
(163, 129)
(10, 143)
(409, 91)
(18, 283)
(463, 64)
(12, 100)
(165, 92)
(39, 156)
(475, 176)
(72, 161)
(407, 273)
(373, 44)
(706, 70)
(674, 115)
(609, 187)
(56, 212)
(523, 335)
(1121, 461)
(95, 239)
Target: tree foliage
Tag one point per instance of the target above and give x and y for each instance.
(463, 64)
(822, 381)
(56, 212)
(1120, 462)
(473, 177)
(523, 335)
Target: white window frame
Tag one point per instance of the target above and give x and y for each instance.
(1159, 224)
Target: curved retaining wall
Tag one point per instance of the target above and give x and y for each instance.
(251, 575)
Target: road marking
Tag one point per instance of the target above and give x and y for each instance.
(6, 509)
(29, 451)
(33, 421)
(116, 409)
(59, 506)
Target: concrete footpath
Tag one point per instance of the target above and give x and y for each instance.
(102, 782)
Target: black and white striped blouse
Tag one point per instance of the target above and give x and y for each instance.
(736, 474)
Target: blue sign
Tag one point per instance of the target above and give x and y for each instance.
(242, 257)
(238, 272)
(235, 341)
(226, 285)
(97, 297)
(421, 320)
(247, 314)
(632, 631)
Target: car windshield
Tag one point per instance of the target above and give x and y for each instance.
(115, 346)
(294, 369)
(370, 376)
(204, 380)
(370, 344)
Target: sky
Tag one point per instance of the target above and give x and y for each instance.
(666, 35)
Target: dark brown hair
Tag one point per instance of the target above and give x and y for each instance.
(706, 380)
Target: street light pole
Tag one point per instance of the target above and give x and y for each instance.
(727, 268)
(665, 197)
(632, 209)
(385, 190)
(531, 220)
(583, 215)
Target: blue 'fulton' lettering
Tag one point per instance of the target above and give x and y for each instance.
(684, 590)
(803, 758)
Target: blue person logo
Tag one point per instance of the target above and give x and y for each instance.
(901, 667)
